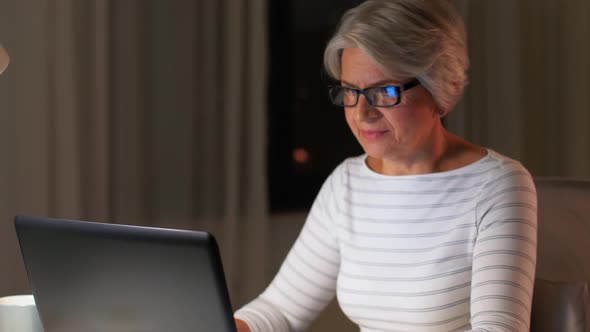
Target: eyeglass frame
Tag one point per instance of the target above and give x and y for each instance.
(399, 88)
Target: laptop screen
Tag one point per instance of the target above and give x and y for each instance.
(88, 276)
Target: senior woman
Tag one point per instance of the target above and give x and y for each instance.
(425, 231)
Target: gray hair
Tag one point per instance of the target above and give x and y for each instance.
(423, 39)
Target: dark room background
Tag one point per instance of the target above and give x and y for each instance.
(213, 114)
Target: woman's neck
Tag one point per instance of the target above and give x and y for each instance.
(429, 157)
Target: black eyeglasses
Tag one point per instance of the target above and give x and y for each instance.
(378, 96)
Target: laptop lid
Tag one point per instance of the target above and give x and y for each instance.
(88, 276)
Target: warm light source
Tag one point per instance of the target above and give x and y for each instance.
(300, 156)
(4, 59)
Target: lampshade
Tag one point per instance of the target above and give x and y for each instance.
(4, 59)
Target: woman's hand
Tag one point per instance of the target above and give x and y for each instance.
(241, 326)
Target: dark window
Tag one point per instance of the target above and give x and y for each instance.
(308, 137)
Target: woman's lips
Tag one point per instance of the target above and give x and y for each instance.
(373, 134)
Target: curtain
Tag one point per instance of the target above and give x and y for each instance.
(138, 112)
(188, 135)
(529, 76)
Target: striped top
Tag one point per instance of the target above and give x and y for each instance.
(449, 251)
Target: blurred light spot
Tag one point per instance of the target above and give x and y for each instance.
(300, 156)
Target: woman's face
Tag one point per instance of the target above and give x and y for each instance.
(400, 132)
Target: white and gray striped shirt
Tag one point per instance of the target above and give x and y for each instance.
(450, 251)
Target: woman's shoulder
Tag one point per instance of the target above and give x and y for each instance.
(352, 164)
(507, 173)
(344, 169)
(506, 165)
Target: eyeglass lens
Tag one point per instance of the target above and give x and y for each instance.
(376, 96)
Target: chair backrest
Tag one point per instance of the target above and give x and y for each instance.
(563, 237)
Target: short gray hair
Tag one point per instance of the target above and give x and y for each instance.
(423, 39)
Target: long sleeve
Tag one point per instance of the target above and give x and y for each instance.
(448, 251)
(504, 255)
(306, 281)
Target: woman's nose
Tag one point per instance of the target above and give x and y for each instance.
(365, 111)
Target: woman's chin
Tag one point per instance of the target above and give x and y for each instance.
(375, 152)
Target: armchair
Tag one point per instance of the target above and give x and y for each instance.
(563, 259)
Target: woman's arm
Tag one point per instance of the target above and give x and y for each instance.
(306, 281)
(504, 257)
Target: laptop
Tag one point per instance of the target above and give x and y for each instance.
(88, 276)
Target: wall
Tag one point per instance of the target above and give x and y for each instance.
(530, 70)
